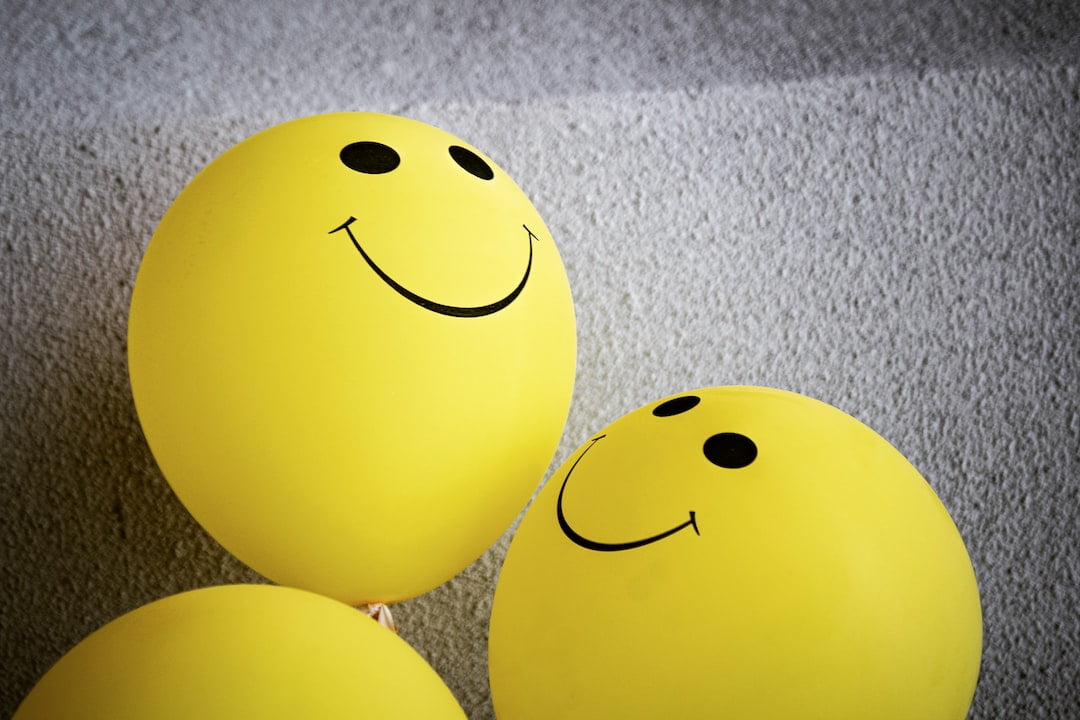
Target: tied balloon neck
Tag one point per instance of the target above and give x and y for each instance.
(380, 613)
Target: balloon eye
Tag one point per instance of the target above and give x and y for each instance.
(730, 450)
(471, 162)
(370, 157)
(676, 406)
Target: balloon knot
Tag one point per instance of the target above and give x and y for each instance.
(380, 613)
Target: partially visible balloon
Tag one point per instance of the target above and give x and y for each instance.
(240, 651)
(740, 553)
(352, 349)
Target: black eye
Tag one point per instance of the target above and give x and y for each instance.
(471, 162)
(730, 450)
(370, 157)
(674, 406)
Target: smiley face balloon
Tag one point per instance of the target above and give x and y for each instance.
(736, 553)
(352, 349)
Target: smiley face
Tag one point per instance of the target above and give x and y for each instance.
(735, 552)
(475, 239)
(320, 300)
(375, 158)
(725, 450)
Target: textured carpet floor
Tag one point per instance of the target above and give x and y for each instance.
(876, 205)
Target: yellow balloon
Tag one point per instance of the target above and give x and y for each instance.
(736, 552)
(352, 350)
(241, 651)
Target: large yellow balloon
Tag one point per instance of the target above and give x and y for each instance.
(241, 651)
(352, 349)
(736, 553)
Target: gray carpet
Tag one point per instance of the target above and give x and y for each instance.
(876, 204)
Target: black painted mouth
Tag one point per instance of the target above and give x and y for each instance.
(451, 310)
(609, 547)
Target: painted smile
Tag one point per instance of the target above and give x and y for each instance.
(451, 310)
(609, 547)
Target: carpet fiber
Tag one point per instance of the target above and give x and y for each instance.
(875, 204)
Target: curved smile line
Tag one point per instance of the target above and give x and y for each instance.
(609, 547)
(452, 310)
